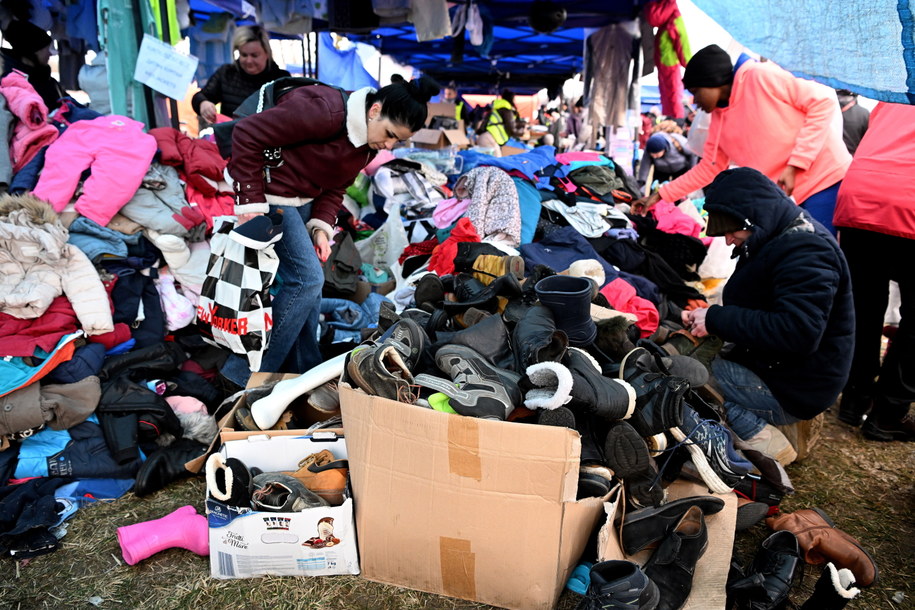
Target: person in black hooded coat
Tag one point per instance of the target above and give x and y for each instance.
(787, 308)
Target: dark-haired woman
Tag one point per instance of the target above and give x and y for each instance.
(323, 139)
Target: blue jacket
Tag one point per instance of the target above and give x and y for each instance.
(788, 306)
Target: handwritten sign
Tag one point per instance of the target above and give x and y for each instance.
(163, 69)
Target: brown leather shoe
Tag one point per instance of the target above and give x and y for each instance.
(821, 542)
(325, 475)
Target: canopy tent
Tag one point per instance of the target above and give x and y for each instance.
(526, 59)
(521, 57)
(867, 47)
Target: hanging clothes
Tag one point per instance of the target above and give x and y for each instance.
(671, 50)
(608, 55)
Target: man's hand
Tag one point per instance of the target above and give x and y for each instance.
(786, 180)
(322, 245)
(208, 112)
(641, 206)
(694, 321)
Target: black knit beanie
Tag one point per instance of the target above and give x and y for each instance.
(25, 37)
(710, 67)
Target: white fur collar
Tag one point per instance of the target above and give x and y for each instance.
(356, 126)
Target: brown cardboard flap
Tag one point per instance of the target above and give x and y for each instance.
(462, 506)
(428, 137)
(440, 109)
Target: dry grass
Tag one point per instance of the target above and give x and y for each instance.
(867, 488)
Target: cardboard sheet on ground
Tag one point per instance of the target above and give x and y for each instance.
(710, 578)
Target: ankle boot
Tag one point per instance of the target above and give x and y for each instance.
(536, 339)
(821, 542)
(487, 267)
(769, 580)
(569, 298)
(611, 399)
(229, 480)
(833, 590)
(673, 564)
(183, 528)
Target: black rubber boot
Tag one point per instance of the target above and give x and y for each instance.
(569, 298)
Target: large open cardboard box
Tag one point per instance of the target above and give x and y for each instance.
(476, 509)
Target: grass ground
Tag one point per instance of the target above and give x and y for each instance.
(867, 488)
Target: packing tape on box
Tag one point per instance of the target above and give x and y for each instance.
(458, 567)
(464, 447)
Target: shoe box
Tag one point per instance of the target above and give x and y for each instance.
(227, 421)
(469, 508)
(314, 542)
(710, 577)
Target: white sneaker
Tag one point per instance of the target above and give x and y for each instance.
(772, 442)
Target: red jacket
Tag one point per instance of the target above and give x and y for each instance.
(877, 193)
(200, 158)
(316, 129)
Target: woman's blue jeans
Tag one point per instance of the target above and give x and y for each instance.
(293, 346)
(747, 399)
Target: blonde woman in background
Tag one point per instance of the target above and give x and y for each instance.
(232, 83)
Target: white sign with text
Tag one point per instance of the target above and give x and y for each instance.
(163, 68)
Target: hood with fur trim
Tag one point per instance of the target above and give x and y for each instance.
(30, 229)
(37, 265)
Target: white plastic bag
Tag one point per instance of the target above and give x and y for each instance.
(235, 309)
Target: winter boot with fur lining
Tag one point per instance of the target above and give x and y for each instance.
(228, 480)
(833, 590)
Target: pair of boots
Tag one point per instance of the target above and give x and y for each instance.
(666, 580)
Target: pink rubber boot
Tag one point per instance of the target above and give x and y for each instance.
(183, 528)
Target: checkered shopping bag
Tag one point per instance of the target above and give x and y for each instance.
(234, 310)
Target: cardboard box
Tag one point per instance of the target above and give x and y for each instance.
(300, 405)
(245, 544)
(476, 509)
(710, 578)
(440, 138)
(434, 109)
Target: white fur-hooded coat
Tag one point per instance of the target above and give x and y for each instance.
(37, 265)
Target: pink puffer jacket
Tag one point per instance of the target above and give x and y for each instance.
(32, 131)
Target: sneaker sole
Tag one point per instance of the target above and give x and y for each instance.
(626, 452)
(750, 514)
(700, 461)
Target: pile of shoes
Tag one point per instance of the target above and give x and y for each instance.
(489, 343)
(319, 481)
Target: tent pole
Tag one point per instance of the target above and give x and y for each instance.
(167, 37)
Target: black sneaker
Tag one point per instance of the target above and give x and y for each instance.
(627, 456)
(619, 584)
(410, 333)
(475, 389)
(712, 451)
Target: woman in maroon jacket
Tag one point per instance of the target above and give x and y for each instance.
(299, 157)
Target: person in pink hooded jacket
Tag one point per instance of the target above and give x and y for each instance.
(763, 117)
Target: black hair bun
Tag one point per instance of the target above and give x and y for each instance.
(397, 79)
(423, 89)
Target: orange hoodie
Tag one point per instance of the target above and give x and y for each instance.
(773, 120)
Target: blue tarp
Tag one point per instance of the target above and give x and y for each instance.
(342, 68)
(867, 47)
